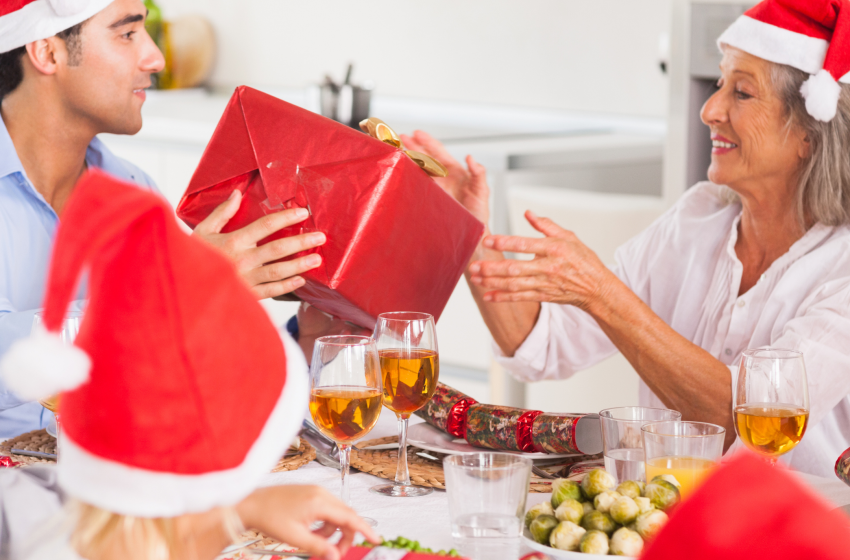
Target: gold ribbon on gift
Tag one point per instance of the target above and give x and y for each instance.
(378, 129)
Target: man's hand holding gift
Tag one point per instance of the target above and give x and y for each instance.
(256, 265)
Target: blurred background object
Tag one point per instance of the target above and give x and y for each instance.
(188, 44)
(344, 102)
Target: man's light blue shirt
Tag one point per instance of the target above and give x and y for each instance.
(27, 227)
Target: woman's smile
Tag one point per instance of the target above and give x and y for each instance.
(721, 145)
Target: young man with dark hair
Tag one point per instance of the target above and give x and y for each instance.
(69, 70)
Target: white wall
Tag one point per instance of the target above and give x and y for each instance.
(564, 54)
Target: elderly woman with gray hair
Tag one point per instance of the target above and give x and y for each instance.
(757, 256)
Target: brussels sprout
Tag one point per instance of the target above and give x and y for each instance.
(603, 502)
(598, 521)
(570, 510)
(669, 478)
(626, 543)
(597, 481)
(632, 526)
(543, 508)
(563, 489)
(624, 510)
(588, 507)
(648, 524)
(542, 527)
(594, 542)
(566, 536)
(644, 504)
(631, 488)
(662, 494)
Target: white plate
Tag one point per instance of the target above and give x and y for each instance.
(430, 438)
(567, 554)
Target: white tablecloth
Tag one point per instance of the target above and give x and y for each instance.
(426, 518)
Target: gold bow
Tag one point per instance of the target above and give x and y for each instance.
(376, 128)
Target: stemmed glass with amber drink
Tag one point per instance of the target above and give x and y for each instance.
(771, 401)
(345, 394)
(410, 368)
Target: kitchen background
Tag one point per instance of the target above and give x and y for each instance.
(571, 104)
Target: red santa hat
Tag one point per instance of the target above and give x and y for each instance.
(181, 393)
(25, 21)
(810, 35)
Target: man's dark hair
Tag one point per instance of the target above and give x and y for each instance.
(12, 66)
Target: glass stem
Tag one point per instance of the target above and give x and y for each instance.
(402, 476)
(344, 462)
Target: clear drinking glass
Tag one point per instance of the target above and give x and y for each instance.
(771, 401)
(410, 369)
(487, 494)
(345, 394)
(622, 442)
(686, 450)
(70, 328)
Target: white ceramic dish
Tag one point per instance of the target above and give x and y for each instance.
(566, 554)
(430, 438)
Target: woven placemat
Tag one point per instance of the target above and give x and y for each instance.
(38, 440)
(423, 472)
(304, 455)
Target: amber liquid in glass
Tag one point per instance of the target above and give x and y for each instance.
(689, 471)
(409, 377)
(50, 403)
(771, 429)
(345, 414)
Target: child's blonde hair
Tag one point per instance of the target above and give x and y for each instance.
(96, 530)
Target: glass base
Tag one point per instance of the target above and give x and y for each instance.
(400, 490)
(369, 521)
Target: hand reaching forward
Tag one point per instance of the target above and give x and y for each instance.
(563, 270)
(287, 513)
(256, 264)
(467, 186)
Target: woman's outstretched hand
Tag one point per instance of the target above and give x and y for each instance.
(564, 270)
(467, 185)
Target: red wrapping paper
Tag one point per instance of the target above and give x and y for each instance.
(396, 240)
(500, 427)
(6, 461)
(447, 410)
(842, 467)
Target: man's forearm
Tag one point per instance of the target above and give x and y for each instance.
(509, 323)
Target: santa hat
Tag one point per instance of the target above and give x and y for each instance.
(25, 21)
(810, 35)
(191, 395)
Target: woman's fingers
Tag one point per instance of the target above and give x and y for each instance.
(222, 214)
(501, 296)
(312, 543)
(544, 225)
(516, 284)
(282, 248)
(435, 149)
(511, 267)
(517, 244)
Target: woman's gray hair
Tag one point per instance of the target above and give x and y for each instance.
(824, 193)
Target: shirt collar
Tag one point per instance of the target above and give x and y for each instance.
(9, 160)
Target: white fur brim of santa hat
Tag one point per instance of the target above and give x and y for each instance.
(40, 19)
(138, 492)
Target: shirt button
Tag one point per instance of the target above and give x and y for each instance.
(728, 351)
(741, 303)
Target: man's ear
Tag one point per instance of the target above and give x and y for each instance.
(45, 54)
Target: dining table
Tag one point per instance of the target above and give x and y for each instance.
(426, 518)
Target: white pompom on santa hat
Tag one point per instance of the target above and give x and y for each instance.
(179, 393)
(25, 21)
(810, 35)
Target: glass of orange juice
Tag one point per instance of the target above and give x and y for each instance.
(685, 450)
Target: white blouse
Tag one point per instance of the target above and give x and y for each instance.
(685, 268)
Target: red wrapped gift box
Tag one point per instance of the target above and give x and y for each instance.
(396, 240)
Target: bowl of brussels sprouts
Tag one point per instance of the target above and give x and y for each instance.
(596, 517)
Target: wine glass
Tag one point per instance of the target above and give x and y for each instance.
(771, 401)
(70, 328)
(345, 394)
(410, 368)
